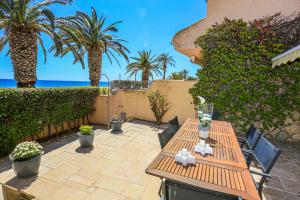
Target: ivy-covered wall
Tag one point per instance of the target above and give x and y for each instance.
(25, 112)
(237, 74)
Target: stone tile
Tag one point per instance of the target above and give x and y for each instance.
(56, 160)
(7, 175)
(61, 173)
(105, 195)
(42, 187)
(150, 193)
(291, 186)
(275, 183)
(66, 193)
(133, 191)
(272, 194)
(103, 164)
(75, 185)
(111, 183)
(119, 154)
(43, 170)
(82, 161)
(88, 173)
(81, 180)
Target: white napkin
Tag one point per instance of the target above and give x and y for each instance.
(184, 157)
(203, 148)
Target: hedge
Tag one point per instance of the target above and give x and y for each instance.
(126, 84)
(25, 112)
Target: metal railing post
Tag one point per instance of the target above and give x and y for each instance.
(108, 90)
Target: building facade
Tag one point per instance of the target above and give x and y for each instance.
(217, 10)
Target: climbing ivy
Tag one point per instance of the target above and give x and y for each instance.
(237, 74)
(25, 112)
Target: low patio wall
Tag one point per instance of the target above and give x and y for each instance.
(135, 102)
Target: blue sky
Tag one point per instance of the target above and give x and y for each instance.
(147, 24)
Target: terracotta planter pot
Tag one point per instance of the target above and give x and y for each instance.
(27, 168)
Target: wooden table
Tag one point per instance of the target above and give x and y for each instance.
(224, 171)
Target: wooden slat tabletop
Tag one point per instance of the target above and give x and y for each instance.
(224, 171)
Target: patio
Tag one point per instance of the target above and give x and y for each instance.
(115, 167)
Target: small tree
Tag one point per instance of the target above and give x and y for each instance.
(159, 105)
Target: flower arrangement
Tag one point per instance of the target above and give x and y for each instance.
(204, 112)
(86, 130)
(25, 151)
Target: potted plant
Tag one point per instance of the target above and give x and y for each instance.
(116, 124)
(26, 159)
(86, 135)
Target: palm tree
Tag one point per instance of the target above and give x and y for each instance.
(182, 75)
(185, 73)
(165, 59)
(83, 34)
(22, 22)
(147, 64)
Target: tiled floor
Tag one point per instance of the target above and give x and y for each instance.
(115, 168)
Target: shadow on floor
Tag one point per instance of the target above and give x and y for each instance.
(51, 144)
(151, 124)
(84, 150)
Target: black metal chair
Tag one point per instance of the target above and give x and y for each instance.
(215, 115)
(166, 135)
(265, 155)
(252, 137)
(174, 122)
(177, 191)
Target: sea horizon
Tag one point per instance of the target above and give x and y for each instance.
(11, 83)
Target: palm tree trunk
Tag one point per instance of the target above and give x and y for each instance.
(164, 71)
(95, 65)
(23, 53)
(145, 78)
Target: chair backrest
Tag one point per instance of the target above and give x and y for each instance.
(253, 136)
(166, 135)
(174, 121)
(266, 154)
(215, 115)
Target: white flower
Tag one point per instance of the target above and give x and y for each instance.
(202, 100)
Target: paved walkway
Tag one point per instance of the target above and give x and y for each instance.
(113, 169)
(285, 183)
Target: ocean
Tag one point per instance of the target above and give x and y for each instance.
(11, 83)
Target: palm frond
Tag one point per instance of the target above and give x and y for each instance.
(40, 41)
(84, 32)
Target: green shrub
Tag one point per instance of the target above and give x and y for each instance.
(126, 84)
(103, 90)
(25, 112)
(237, 74)
(86, 129)
(26, 151)
(159, 105)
